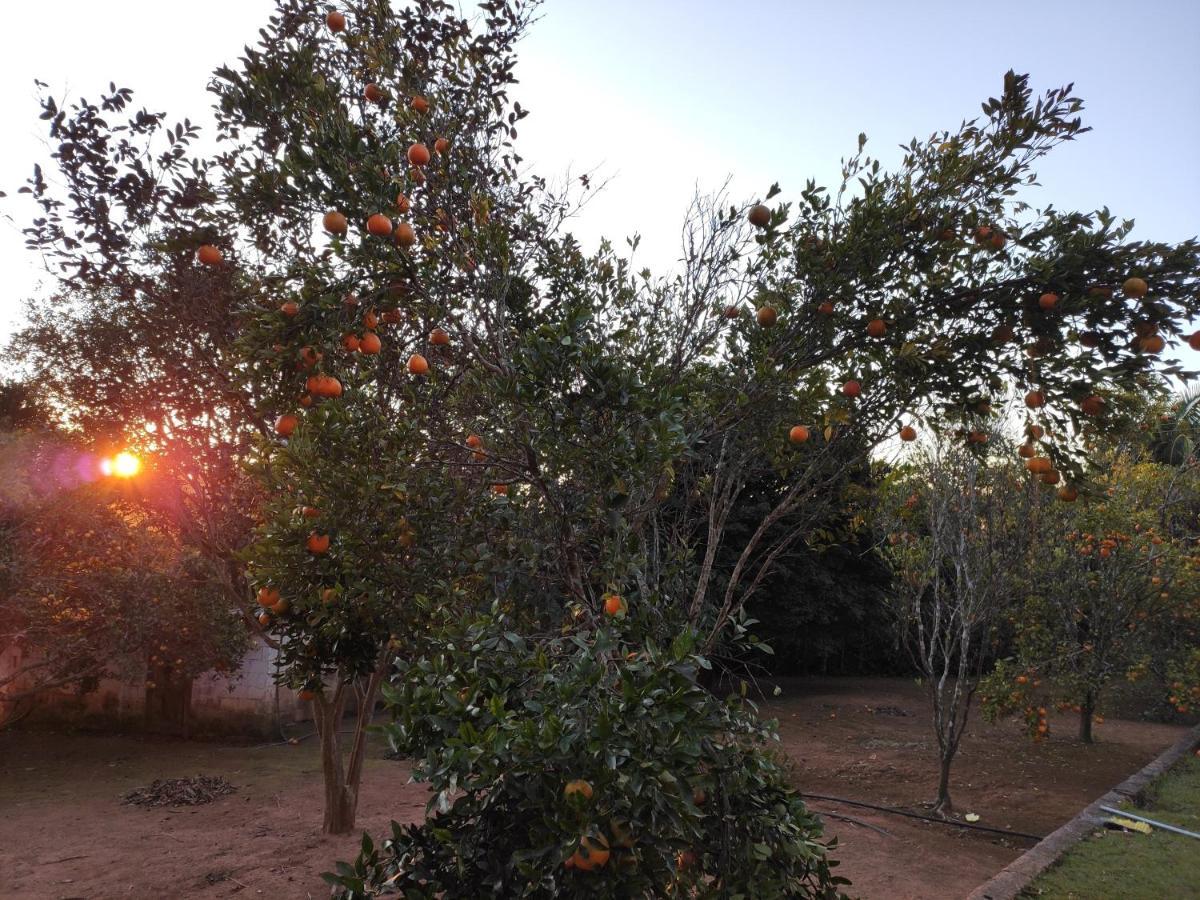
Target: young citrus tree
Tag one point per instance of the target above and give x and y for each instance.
(1112, 594)
(958, 536)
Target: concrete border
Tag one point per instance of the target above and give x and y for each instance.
(1016, 876)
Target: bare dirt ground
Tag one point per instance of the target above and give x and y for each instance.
(64, 832)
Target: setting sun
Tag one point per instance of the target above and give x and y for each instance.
(125, 465)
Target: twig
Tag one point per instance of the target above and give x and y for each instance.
(846, 818)
(52, 862)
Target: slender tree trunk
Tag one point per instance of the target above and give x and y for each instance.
(943, 806)
(1086, 710)
(342, 781)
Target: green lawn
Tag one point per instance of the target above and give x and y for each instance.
(1115, 865)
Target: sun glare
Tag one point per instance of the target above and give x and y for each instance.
(125, 465)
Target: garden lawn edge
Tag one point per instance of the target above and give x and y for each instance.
(1010, 881)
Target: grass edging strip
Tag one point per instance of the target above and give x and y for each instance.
(1017, 875)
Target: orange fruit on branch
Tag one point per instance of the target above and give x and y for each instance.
(766, 316)
(335, 22)
(1092, 406)
(286, 424)
(578, 788)
(474, 441)
(405, 235)
(268, 596)
(1068, 494)
(209, 255)
(1135, 288)
(441, 145)
(798, 434)
(1048, 301)
(825, 309)
(876, 328)
(290, 308)
(908, 433)
(420, 104)
(418, 155)
(418, 365)
(373, 93)
(439, 337)
(1035, 399)
(317, 543)
(379, 225)
(593, 853)
(851, 388)
(351, 342)
(335, 223)
(759, 216)
(370, 343)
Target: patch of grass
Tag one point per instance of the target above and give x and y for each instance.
(1115, 865)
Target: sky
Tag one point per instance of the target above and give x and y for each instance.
(664, 97)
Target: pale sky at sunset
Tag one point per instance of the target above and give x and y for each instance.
(663, 95)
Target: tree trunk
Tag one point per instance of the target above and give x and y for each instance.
(943, 806)
(1086, 710)
(342, 782)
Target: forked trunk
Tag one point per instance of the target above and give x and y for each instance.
(342, 778)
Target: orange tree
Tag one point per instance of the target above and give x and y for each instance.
(1112, 593)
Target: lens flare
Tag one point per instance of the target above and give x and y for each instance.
(125, 465)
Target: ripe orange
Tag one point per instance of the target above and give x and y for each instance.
(1151, 343)
(579, 788)
(370, 320)
(286, 424)
(614, 604)
(1051, 477)
(798, 435)
(328, 595)
(500, 490)
(264, 619)
(1038, 465)
(370, 343)
(1026, 451)
(908, 433)
(310, 512)
(1048, 301)
(323, 386)
(403, 203)
(825, 309)
(209, 255)
(420, 104)
(310, 357)
(852, 388)
(335, 223)
(373, 93)
(997, 241)
(592, 854)
(876, 328)
(379, 225)
(760, 216)
(317, 543)
(1068, 494)
(439, 338)
(1022, 679)
(1035, 399)
(268, 596)
(351, 342)
(766, 316)
(336, 22)
(684, 860)
(1092, 406)
(418, 365)
(440, 146)
(306, 400)
(405, 236)
(983, 233)
(290, 308)
(1135, 288)
(732, 311)
(281, 607)
(418, 155)
(474, 441)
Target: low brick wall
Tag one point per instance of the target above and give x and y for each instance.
(1010, 881)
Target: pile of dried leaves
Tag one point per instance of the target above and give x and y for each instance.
(180, 791)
